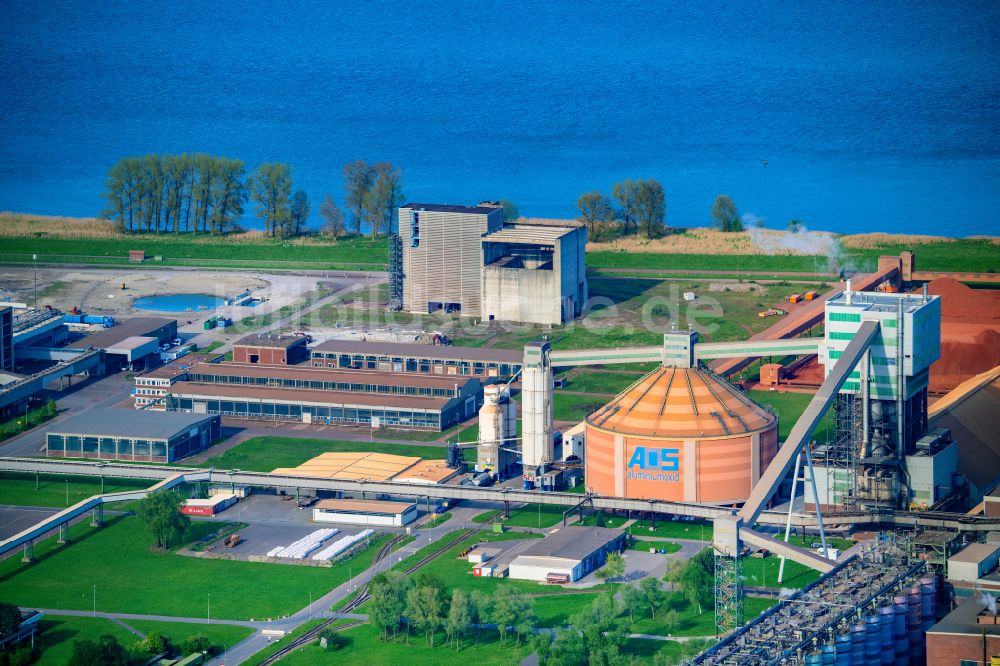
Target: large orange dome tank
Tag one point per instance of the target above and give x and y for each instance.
(679, 434)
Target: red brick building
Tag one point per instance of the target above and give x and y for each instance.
(270, 349)
(965, 637)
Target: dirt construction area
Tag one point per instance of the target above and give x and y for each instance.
(99, 291)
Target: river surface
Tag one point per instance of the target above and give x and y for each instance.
(850, 116)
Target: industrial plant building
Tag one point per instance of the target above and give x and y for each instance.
(316, 395)
(416, 358)
(131, 343)
(880, 416)
(465, 260)
(128, 435)
(572, 552)
(266, 349)
(968, 635)
(679, 434)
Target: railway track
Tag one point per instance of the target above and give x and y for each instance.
(362, 595)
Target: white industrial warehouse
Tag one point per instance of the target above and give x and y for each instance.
(572, 552)
(365, 512)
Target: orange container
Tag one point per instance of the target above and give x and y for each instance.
(795, 298)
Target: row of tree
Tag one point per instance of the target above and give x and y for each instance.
(207, 194)
(108, 651)
(641, 210)
(400, 603)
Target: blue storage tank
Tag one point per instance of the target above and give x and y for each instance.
(858, 636)
(828, 654)
(900, 637)
(887, 655)
(927, 603)
(814, 659)
(844, 645)
(873, 639)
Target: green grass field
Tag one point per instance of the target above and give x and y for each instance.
(571, 407)
(263, 454)
(555, 610)
(188, 249)
(531, 515)
(706, 262)
(645, 546)
(58, 491)
(222, 636)
(699, 530)
(789, 407)
(595, 381)
(57, 633)
(631, 311)
(131, 578)
(763, 572)
(691, 622)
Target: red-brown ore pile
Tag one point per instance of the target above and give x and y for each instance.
(970, 333)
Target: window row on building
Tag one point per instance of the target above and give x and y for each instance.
(426, 366)
(325, 414)
(371, 386)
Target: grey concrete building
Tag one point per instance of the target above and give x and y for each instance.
(466, 260)
(534, 273)
(442, 256)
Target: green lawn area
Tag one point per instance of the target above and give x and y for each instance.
(700, 530)
(633, 311)
(571, 407)
(57, 633)
(592, 381)
(19, 489)
(789, 407)
(131, 578)
(763, 572)
(17, 425)
(554, 610)
(263, 454)
(644, 546)
(222, 636)
(961, 255)
(365, 647)
(691, 623)
(610, 519)
(530, 515)
(438, 520)
(200, 249)
(706, 262)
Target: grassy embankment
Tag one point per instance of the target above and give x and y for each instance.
(23, 422)
(89, 241)
(58, 491)
(240, 590)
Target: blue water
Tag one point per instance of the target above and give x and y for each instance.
(871, 115)
(178, 302)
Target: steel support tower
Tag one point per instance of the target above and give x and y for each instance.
(728, 593)
(395, 272)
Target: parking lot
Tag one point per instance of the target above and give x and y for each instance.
(260, 538)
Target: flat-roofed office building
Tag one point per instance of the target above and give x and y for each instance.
(128, 434)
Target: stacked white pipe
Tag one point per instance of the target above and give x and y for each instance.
(300, 549)
(342, 544)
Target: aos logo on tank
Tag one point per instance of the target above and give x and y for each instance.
(649, 464)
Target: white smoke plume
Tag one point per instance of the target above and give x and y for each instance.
(990, 601)
(801, 241)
